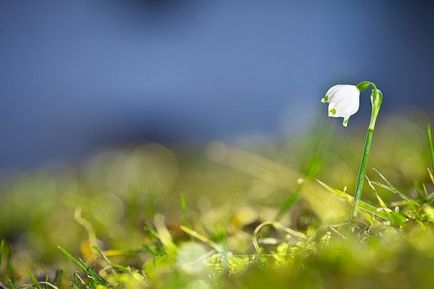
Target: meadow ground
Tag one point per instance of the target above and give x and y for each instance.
(260, 213)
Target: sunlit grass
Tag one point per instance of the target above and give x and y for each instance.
(273, 215)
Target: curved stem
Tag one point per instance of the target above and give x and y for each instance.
(376, 101)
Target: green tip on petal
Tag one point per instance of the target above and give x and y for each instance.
(333, 111)
(325, 99)
(345, 123)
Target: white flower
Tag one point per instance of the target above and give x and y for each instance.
(343, 100)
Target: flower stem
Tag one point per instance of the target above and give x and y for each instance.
(361, 175)
(376, 101)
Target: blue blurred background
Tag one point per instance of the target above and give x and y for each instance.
(79, 75)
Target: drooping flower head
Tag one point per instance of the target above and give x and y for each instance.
(343, 100)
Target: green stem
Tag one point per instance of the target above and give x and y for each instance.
(376, 101)
(361, 175)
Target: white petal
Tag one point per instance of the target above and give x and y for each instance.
(346, 100)
(330, 92)
(333, 89)
(332, 110)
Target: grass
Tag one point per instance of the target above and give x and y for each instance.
(274, 215)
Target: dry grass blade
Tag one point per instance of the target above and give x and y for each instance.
(388, 186)
(252, 164)
(276, 225)
(363, 206)
(201, 238)
(380, 200)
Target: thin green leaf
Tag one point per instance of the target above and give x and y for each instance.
(185, 210)
(431, 145)
(34, 281)
(431, 176)
(10, 271)
(104, 256)
(79, 263)
(57, 281)
(2, 250)
(91, 274)
(11, 284)
(160, 250)
(288, 204)
(388, 186)
(380, 200)
(202, 238)
(77, 282)
(75, 286)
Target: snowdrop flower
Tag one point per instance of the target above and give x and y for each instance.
(343, 100)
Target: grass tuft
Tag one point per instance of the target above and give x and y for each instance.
(273, 215)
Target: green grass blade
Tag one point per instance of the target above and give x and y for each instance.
(431, 146)
(288, 204)
(201, 238)
(2, 249)
(380, 200)
(159, 247)
(34, 281)
(11, 284)
(185, 210)
(431, 176)
(315, 148)
(10, 271)
(77, 282)
(91, 274)
(57, 281)
(388, 186)
(104, 256)
(363, 207)
(79, 263)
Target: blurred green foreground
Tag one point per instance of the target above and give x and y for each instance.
(271, 214)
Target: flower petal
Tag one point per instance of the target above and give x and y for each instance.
(329, 93)
(345, 121)
(346, 100)
(343, 100)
